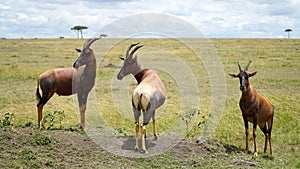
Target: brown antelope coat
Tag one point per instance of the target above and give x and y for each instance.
(147, 96)
(78, 79)
(255, 109)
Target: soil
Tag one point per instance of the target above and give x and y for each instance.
(29, 147)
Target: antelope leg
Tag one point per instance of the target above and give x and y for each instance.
(143, 138)
(136, 136)
(246, 133)
(154, 126)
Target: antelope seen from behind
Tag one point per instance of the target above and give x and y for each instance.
(78, 79)
(147, 96)
(255, 109)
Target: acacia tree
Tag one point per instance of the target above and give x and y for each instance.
(102, 35)
(78, 30)
(288, 31)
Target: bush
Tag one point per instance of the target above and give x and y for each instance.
(49, 119)
(8, 120)
(188, 117)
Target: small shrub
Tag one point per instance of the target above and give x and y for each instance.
(61, 116)
(202, 122)
(121, 131)
(42, 140)
(187, 117)
(49, 119)
(8, 120)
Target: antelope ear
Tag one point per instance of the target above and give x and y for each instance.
(233, 75)
(78, 50)
(121, 58)
(252, 74)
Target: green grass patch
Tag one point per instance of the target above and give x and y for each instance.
(275, 60)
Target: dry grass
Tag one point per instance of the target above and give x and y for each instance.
(276, 60)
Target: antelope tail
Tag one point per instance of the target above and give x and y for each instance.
(141, 102)
(38, 95)
(140, 106)
(270, 127)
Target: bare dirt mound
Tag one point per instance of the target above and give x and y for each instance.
(32, 148)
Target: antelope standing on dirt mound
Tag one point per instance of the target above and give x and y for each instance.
(255, 109)
(67, 81)
(147, 96)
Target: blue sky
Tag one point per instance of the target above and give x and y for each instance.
(214, 18)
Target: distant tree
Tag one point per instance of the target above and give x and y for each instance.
(102, 35)
(78, 30)
(288, 31)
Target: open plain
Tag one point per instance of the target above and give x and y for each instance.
(24, 145)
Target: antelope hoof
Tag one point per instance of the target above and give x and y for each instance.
(82, 128)
(145, 151)
(136, 148)
(155, 138)
(256, 154)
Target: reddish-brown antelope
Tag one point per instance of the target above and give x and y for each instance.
(255, 109)
(78, 79)
(147, 96)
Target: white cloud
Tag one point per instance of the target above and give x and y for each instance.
(214, 18)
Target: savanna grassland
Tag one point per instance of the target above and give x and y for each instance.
(24, 145)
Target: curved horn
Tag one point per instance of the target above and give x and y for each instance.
(88, 43)
(246, 68)
(132, 45)
(135, 49)
(239, 66)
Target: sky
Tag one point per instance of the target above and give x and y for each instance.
(213, 18)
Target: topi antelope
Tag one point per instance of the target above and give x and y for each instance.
(147, 96)
(78, 79)
(255, 109)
